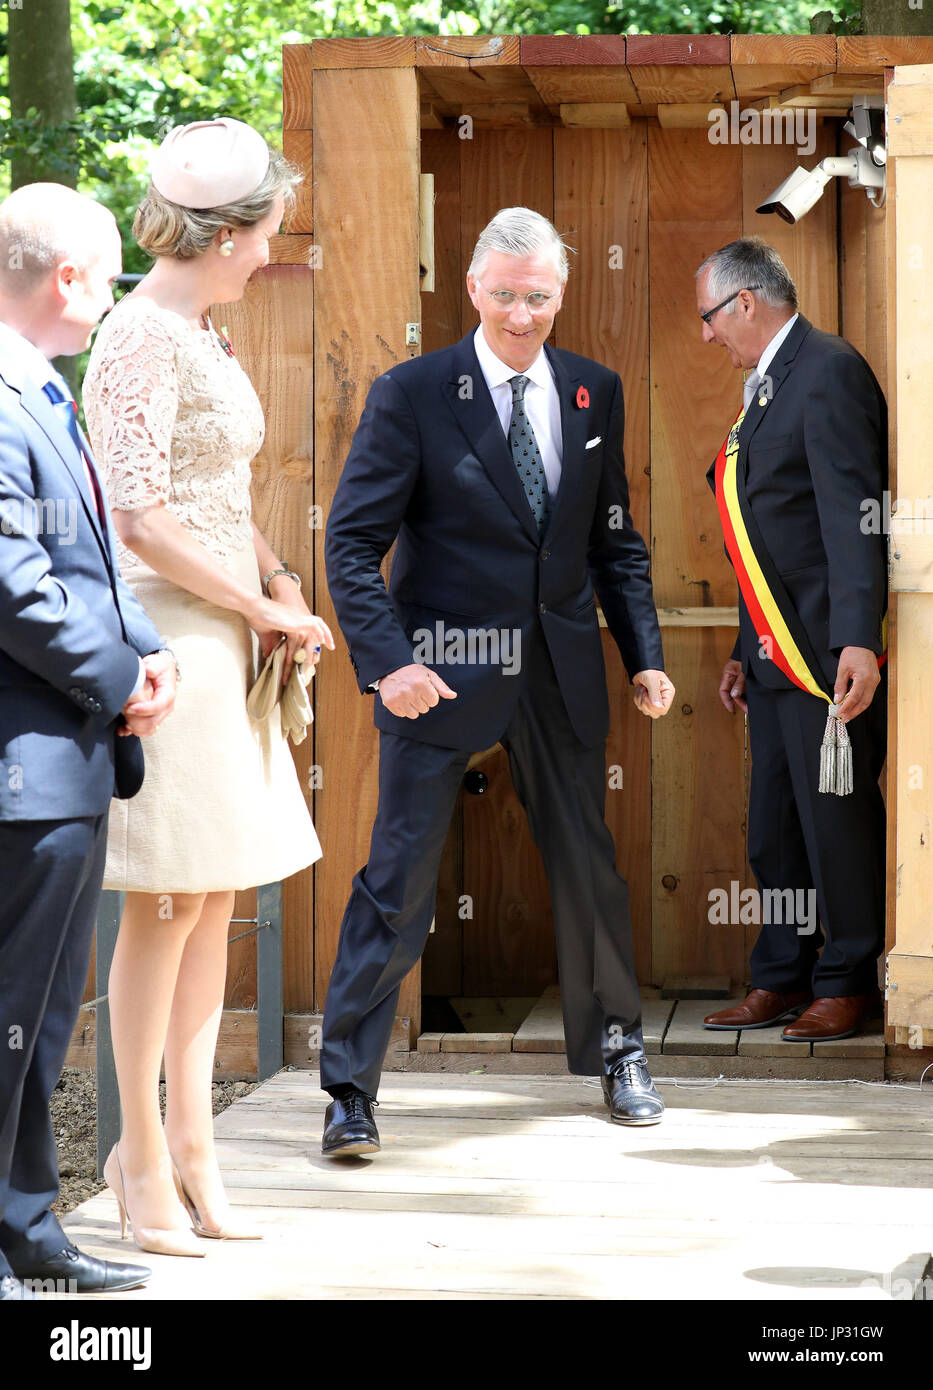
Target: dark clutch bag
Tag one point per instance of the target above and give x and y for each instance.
(129, 767)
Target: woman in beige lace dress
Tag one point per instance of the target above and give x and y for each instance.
(175, 423)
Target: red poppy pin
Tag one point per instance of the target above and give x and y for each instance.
(583, 398)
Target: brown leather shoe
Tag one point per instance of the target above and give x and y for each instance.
(760, 1009)
(827, 1019)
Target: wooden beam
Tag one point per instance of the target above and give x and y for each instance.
(569, 85)
(658, 84)
(910, 985)
(381, 51)
(910, 118)
(493, 114)
(297, 66)
(687, 115)
(601, 115)
(803, 96)
(291, 248)
(468, 51)
(848, 83)
(686, 50)
(431, 118)
(698, 617)
(861, 53)
(911, 962)
(572, 50)
(763, 63)
(465, 85)
(297, 146)
(912, 559)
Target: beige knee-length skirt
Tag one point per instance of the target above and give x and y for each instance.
(221, 806)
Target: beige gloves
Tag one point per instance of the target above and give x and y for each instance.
(292, 699)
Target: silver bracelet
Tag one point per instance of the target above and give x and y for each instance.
(274, 573)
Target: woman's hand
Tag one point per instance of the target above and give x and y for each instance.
(287, 613)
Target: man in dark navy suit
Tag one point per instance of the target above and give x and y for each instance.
(497, 465)
(83, 673)
(812, 469)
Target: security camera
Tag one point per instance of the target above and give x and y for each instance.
(862, 166)
(866, 125)
(794, 198)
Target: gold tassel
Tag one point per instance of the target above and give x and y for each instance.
(836, 756)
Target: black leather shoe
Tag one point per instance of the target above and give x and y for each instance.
(349, 1127)
(11, 1290)
(80, 1273)
(631, 1096)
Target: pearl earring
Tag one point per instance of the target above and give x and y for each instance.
(226, 247)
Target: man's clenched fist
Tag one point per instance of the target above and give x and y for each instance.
(413, 690)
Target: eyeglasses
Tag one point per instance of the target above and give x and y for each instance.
(715, 310)
(534, 302)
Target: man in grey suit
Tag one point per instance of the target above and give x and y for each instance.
(83, 674)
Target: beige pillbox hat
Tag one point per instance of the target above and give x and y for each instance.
(210, 164)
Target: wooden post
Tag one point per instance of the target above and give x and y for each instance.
(910, 963)
(366, 168)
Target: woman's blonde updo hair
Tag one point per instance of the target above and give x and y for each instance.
(162, 228)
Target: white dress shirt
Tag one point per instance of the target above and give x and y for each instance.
(542, 403)
(767, 357)
(37, 368)
(542, 406)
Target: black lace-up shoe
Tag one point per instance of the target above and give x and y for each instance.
(349, 1127)
(77, 1272)
(631, 1096)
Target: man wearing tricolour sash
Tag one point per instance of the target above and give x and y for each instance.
(803, 459)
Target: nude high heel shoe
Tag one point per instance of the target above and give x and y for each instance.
(241, 1232)
(176, 1241)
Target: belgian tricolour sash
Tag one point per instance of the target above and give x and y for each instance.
(776, 621)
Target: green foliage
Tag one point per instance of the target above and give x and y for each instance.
(847, 21)
(142, 67)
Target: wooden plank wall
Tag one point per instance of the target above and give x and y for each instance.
(594, 184)
(695, 201)
(667, 198)
(601, 207)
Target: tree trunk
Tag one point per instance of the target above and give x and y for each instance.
(42, 80)
(897, 16)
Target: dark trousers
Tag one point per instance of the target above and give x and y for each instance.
(562, 787)
(51, 874)
(803, 839)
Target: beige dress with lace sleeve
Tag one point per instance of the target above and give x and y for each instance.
(175, 422)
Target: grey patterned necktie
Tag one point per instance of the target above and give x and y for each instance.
(526, 454)
(750, 388)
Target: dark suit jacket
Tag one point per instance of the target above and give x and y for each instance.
(430, 465)
(71, 633)
(811, 458)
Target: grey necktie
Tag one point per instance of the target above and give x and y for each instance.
(526, 454)
(750, 389)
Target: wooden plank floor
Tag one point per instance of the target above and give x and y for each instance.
(674, 1028)
(518, 1187)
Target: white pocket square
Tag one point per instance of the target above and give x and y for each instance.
(591, 443)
